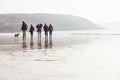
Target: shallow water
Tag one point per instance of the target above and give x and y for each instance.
(68, 56)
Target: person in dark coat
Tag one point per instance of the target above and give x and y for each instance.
(31, 31)
(50, 28)
(24, 29)
(46, 29)
(39, 29)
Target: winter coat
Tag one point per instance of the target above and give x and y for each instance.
(45, 28)
(31, 29)
(50, 28)
(39, 27)
(24, 26)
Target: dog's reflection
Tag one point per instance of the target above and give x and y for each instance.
(16, 40)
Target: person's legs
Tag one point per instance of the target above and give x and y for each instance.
(23, 34)
(46, 33)
(50, 33)
(40, 34)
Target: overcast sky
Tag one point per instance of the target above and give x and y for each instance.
(98, 11)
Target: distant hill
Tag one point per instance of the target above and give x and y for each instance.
(12, 22)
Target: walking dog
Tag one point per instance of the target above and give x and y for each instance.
(16, 34)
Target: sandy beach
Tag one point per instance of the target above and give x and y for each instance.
(68, 56)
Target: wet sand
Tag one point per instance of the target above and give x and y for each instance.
(68, 56)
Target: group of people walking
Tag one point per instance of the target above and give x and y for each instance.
(39, 30)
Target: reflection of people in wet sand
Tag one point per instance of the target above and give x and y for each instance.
(48, 45)
(39, 43)
(50, 42)
(24, 45)
(46, 42)
(31, 44)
